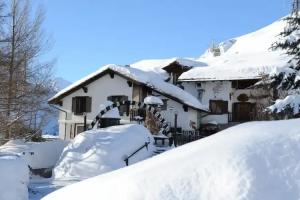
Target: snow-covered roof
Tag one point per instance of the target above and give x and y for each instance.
(245, 57)
(150, 80)
(156, 65)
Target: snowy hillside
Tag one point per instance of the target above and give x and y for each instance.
(253, 161)
(248, 56)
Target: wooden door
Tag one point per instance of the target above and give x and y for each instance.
(243, 111)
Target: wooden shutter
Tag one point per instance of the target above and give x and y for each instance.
(225, 107)
(88, 106)
(74, 104)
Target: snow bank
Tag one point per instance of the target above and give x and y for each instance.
(98, 151)
(291, 101)
(37, 155)
(153, 100)
(14, 178)
(253, 161)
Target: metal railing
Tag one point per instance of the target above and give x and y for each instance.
(126, 160)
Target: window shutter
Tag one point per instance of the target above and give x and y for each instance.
(88, 104)
(74, 104)
(225, 107)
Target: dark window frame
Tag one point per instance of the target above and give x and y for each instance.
(218, 107)
(81, 105)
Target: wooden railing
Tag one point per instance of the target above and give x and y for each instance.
(188, 136)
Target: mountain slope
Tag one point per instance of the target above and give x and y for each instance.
(247, 56)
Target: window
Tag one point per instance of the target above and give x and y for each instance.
(119, 98)
(218, 106)
(81, 104)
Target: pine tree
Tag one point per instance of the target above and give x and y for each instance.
(288, 79)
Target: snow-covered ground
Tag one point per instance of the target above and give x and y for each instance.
(14, 178)
(253, 161)
(99, 151)
(91, 153)
(15, 158)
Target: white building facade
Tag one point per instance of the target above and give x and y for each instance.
(115, 85)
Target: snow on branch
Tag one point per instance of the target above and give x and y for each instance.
(291, 102)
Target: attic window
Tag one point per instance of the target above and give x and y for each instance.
(81, 104)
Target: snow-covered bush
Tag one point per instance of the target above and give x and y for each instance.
(252, 161)
(14, 178)
(98, 151)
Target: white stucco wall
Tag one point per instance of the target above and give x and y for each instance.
(105, 86)
(183, 118)
(99, 90)
(220, 90)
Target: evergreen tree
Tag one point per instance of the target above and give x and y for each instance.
(288, 79)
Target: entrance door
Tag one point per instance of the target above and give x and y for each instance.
(243, 111)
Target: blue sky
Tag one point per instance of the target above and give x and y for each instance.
(90, 33)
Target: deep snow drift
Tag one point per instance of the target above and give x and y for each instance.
(253, 161)
(36, 154)
(14, 178)
(98, 151)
